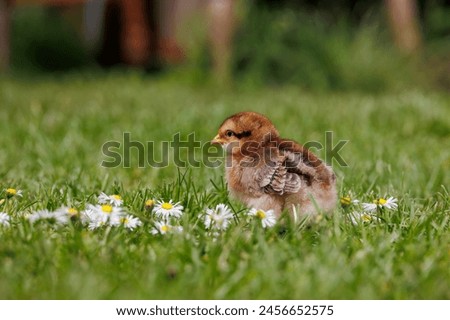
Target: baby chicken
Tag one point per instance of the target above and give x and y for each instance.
(266, 172)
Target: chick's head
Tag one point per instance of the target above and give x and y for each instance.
(245, 128)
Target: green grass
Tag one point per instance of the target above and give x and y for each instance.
(52, 131)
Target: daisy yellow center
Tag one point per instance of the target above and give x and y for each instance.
(72, 211)
(107, 208)
(165, 228)
(116, 196)
(167, 206)
(11, 191)
(124, 220)
(382, 201)
(260, 214)
(149, 203)
(345, 200)
(366, 217)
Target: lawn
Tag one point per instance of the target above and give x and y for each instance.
(53, 130)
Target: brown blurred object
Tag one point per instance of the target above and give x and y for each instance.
(404, 24)
(149, 28)
(134, 41)
(135, 33)
(129, 35)
(138, 32)
(221, 30)
(47, 2)
(171, 17)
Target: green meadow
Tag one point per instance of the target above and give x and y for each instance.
(52, 131)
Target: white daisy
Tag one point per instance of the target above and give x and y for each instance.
(218, 218)
(268, 218)
(11, 192)
(4, 219)
(363, 217)
(369, 207)
(390, 203)
(130, 222)
(169, 209)
(103, 198)
(163, 228)
(40, 215)
(113, 199)
(70, 211)
(99, 215)
(149, 204)
(348, 200)
(93, 218)
(109, 213)
(96, 222)
(87, 215)
(62, 215)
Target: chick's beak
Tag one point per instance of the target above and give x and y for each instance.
(217, 140)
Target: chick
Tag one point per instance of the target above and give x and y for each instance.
(266, 172)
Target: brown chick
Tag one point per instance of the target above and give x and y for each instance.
(266, 172)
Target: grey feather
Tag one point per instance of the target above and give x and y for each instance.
(276, 177)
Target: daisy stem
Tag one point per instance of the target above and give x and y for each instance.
(106, 235)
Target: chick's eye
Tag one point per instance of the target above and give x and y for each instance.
(229, 133)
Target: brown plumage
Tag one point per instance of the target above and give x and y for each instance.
(266, 172)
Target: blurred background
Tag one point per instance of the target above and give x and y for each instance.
(315, 44)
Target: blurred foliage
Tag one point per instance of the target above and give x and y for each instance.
(43, 41)
(436, 28)
(437, 22)
(314, 44)
(286, 46)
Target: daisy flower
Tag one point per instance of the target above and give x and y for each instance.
(358, 217)
(11, 192)
(369, 207)
(268, 218)
(218, 218)
(66, 211)
(87, 215)
(163, 228)
(64, 214)
(166, 210)
(4, 219)
(59, 217)
(40, 215)
(72, 211)
(130, 222)
(390, 203)
(99, 215)
(108, 212)
(113, 199)
(95, 223)
(149, 204)
(347, 200)
(92, 219)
